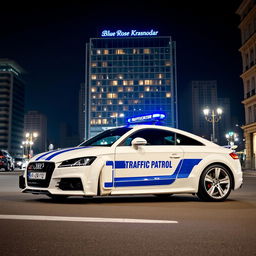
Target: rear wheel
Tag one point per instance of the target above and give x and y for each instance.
(215, 184)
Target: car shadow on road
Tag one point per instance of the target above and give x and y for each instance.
(124, 199)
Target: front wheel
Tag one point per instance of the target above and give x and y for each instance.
(215, 184)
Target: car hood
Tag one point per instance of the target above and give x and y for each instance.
(70, 153)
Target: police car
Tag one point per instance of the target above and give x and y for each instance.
(140, 159)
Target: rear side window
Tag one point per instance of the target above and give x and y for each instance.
(183, 140)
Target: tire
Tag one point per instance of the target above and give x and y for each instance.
(215, 184)
(7, 168)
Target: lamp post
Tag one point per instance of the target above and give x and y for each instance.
(231, 137)
(116, 116)
(29, 142)
(213, 116)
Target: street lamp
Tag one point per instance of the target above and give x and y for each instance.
(231, 137)
(29, 142)
(116, 116)
(213, 116)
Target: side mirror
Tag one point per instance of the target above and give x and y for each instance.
(138, 142)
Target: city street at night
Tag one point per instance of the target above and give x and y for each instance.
(127, 225)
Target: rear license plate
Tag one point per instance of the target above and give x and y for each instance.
(37, 175)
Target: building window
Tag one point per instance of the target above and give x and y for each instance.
(254, 113)
(120, 51)
(146, 51)
(160, 76)
(249, 115)
(111, 95)
(94, 77)
(105, 51)
(135, 51)
(98, 51)
(125, 82)
(148, 82)
(93, 89)
(104, 64)
(94, 64)
(168, 95)
(129, 89)
(114, 82)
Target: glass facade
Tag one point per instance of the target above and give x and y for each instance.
(127, 77)
(11, 107)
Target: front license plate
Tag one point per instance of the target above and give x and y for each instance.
(37, 175)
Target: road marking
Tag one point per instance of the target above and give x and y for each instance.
(84, 219)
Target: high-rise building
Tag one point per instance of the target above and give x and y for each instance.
(37, 122)
(11, 106)
(204, 94)
(128, 74)
(247, 13)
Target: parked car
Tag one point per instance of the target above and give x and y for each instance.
(6, 161)
(20, 163)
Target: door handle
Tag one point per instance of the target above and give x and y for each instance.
(174, 155)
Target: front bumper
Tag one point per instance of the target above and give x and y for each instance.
(59, 181)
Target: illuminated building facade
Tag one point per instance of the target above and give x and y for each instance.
(11, 106)
(35, 121)
(247, 13)
(128, 76)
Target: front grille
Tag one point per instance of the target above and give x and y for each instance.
(48, 168)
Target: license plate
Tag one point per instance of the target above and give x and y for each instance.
(37, 175)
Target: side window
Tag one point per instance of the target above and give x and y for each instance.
(183, 140)
(153, 137)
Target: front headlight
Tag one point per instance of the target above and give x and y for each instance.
(81, 161)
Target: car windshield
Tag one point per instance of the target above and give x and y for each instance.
(106, 138)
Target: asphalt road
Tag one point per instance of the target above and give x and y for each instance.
(199, 228)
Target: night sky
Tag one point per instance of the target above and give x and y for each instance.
(48, 41)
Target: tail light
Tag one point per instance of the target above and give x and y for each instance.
(234, 155)
(1, 157)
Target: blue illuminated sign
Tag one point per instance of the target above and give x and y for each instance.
(146, 118)
(132, 33)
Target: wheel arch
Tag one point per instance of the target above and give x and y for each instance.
(225, 166)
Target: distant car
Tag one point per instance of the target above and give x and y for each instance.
(142, 159)
(20, 163)
(6, 161)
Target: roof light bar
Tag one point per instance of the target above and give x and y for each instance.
(151, 118)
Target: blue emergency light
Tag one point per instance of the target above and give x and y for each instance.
(156, 118)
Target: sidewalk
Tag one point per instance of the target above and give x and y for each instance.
(249, 172)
